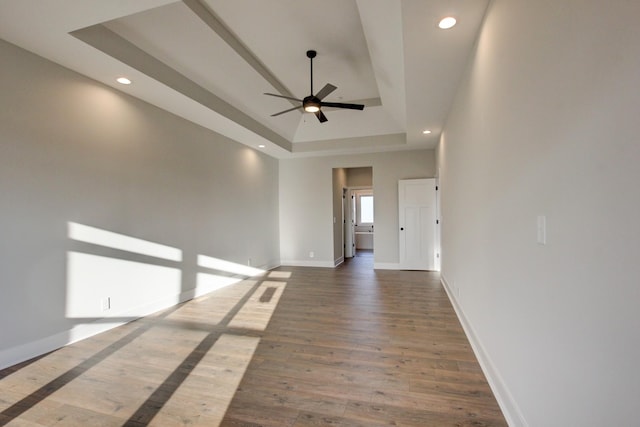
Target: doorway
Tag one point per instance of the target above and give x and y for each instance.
(354, 196)
(363, 219)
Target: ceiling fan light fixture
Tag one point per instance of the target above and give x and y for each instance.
(447, 22)
(311, 104)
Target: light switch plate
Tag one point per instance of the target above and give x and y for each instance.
(542, 230)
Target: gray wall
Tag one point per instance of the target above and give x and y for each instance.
(73, 150)
(359, 177)
(306, 195)
(546, 124)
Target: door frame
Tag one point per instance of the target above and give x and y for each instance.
(350, 213)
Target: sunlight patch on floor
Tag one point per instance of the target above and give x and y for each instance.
(257, 312)
(210, 387)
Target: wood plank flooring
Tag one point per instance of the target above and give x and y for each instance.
(298, 347)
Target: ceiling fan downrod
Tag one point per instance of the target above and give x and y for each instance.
(311, 54)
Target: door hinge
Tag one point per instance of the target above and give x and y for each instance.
(436, 188)
(437, 221)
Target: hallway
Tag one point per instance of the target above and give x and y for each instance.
(297, 347)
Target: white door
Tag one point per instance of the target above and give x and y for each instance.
(417, 217)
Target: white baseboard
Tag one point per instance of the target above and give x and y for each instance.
(306, 263)
(18, 354)
(270, 265)
(338, 261)
(14, 355)
(386, 266)
(507, 403)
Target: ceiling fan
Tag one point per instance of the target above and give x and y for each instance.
(313, 103)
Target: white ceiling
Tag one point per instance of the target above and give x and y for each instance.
(210, 61)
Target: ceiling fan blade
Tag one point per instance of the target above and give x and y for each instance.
(285, 97)
(326, 90)
(342, 105)
(286, 111)
(320, 115)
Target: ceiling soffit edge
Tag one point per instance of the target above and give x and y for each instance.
(395, 140)
(110, 43)
(207, 16)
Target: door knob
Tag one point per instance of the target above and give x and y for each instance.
(401, 228)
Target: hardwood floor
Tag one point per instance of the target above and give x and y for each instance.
(298, 347)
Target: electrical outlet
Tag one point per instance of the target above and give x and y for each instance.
(106, 304)
(311, 254)
(249, 262)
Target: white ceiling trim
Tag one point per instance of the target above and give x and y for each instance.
(387, 51)
(376, 121)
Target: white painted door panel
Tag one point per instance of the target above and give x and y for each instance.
(417, 218)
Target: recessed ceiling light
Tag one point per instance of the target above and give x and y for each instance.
(261, 146)
(123, 81)
(447, 22)
(426, 131)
